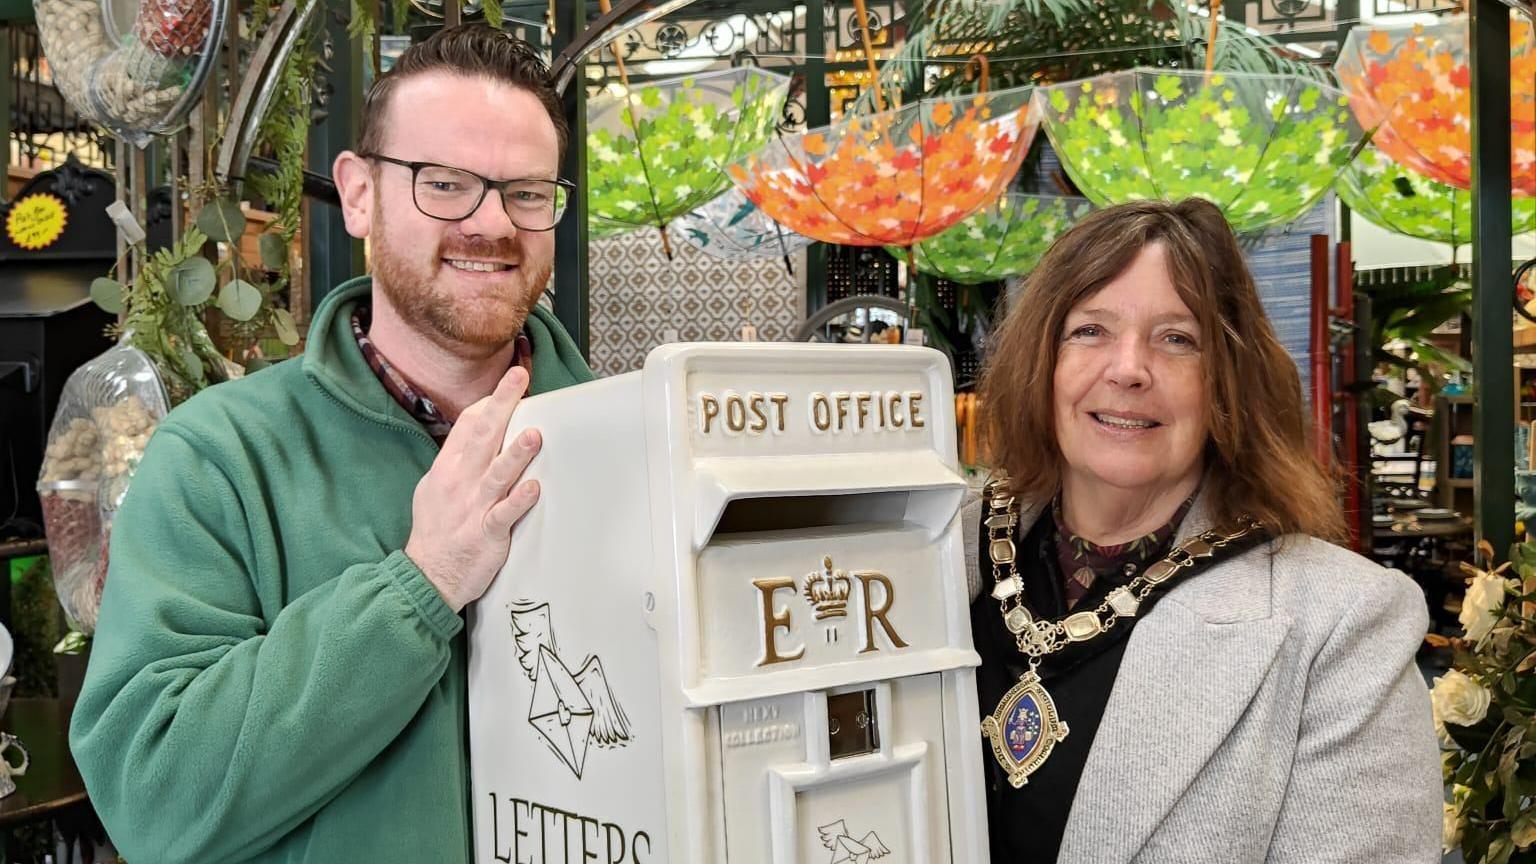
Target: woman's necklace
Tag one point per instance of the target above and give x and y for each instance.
(1025, 727)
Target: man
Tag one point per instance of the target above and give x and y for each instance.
(279, 672)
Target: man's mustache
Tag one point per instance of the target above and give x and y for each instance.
(504, 250)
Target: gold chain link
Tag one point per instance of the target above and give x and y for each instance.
(1039, 638)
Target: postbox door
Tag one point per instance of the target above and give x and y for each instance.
(854, 774)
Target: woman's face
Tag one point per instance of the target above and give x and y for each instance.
(1129, 392)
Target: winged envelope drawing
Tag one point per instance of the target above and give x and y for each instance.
(846, 850)
(570, 711)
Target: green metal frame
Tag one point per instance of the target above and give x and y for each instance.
(573, 285)
(1493, 412)
(334, 255)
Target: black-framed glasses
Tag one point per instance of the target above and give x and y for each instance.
(453, 194)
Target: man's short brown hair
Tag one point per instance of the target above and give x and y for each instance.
(473, 50)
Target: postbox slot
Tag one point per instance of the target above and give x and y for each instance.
(852, 724)
(798, 512)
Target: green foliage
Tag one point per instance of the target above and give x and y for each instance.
(361, 24)
(163, 316)
(1409, 312)
(1237, 50)
(285, 134)
(108, 294)
(35, 628)
(1490, 764)
(221, 221)
(239, 300)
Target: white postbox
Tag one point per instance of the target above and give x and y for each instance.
(734, 630)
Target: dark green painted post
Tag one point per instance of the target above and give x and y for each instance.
(334, 256)
(5, 99)
(573, 287)
(818, 112)
(1493, 414)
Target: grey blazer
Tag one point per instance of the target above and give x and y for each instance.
(1267, 710)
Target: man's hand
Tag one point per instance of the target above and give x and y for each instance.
(464, 508)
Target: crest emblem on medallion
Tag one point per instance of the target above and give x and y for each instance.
(1024, 729)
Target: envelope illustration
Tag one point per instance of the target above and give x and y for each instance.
(571, 711)
(560, 711)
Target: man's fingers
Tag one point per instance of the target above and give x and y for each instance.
(510, 464)
(480, 427)
(498, 408)
(506, 512)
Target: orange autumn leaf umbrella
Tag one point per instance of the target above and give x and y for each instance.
(892, 178)
(1415, 82)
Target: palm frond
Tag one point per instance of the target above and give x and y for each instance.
(1237, 50)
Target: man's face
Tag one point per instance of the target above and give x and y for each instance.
(469, 283)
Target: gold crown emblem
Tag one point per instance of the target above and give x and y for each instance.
(827, 591)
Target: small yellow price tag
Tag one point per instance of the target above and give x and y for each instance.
(36, 221)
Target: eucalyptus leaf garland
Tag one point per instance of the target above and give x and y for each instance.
(163, 314)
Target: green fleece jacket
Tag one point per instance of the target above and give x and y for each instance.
(272, 679)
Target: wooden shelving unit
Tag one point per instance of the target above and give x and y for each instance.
(1453, 417)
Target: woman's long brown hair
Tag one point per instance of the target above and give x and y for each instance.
(1258, 457)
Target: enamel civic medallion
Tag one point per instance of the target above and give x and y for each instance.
(1024, 729)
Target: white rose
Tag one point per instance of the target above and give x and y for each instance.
(1482, 605)
(1450, 829)
(1458, 699)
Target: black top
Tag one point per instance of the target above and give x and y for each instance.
(1025, 825)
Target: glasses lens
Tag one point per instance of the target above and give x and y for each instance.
(447, 193)
(535, 205)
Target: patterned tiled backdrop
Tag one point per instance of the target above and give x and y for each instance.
(639, 298)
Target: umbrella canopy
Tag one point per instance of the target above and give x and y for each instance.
(1408, 203)
(1415, 82)
(1005, 238)
(658, 152)
(893, 177)
(732, 227)
(1263, 148)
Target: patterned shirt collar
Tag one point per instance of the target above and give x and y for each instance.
(1084, 563)
(413, 400)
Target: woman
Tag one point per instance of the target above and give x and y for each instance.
(1260, 704)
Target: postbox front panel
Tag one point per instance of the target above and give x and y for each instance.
(853, 774)
(774, 603)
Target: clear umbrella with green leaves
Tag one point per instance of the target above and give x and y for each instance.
(732, 227)
(1262, 147)
(1005, 238)
(659, 151)
(1406, 202)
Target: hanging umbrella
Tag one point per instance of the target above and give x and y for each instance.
(732, 227)
(892, 177)
(1263, 148)
(1408, 203)
(654, 154)
(1415, 82)
(1004, 238)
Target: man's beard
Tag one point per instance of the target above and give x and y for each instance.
(437, 313)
